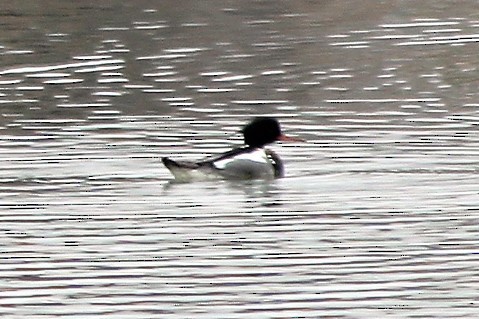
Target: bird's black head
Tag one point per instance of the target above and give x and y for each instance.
(261, 131)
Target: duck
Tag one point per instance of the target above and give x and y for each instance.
(250, 161)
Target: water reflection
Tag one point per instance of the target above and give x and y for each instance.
(376, 214)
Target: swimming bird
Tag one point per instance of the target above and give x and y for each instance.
(251, 161)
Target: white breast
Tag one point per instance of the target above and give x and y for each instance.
(253, 164)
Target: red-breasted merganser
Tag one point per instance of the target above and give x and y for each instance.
(252, 161)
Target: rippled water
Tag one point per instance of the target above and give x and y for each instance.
(376, 217)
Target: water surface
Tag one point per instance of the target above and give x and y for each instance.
(376, 217)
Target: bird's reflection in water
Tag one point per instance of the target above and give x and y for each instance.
(257, 192)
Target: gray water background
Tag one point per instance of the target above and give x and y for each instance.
(377, 214)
